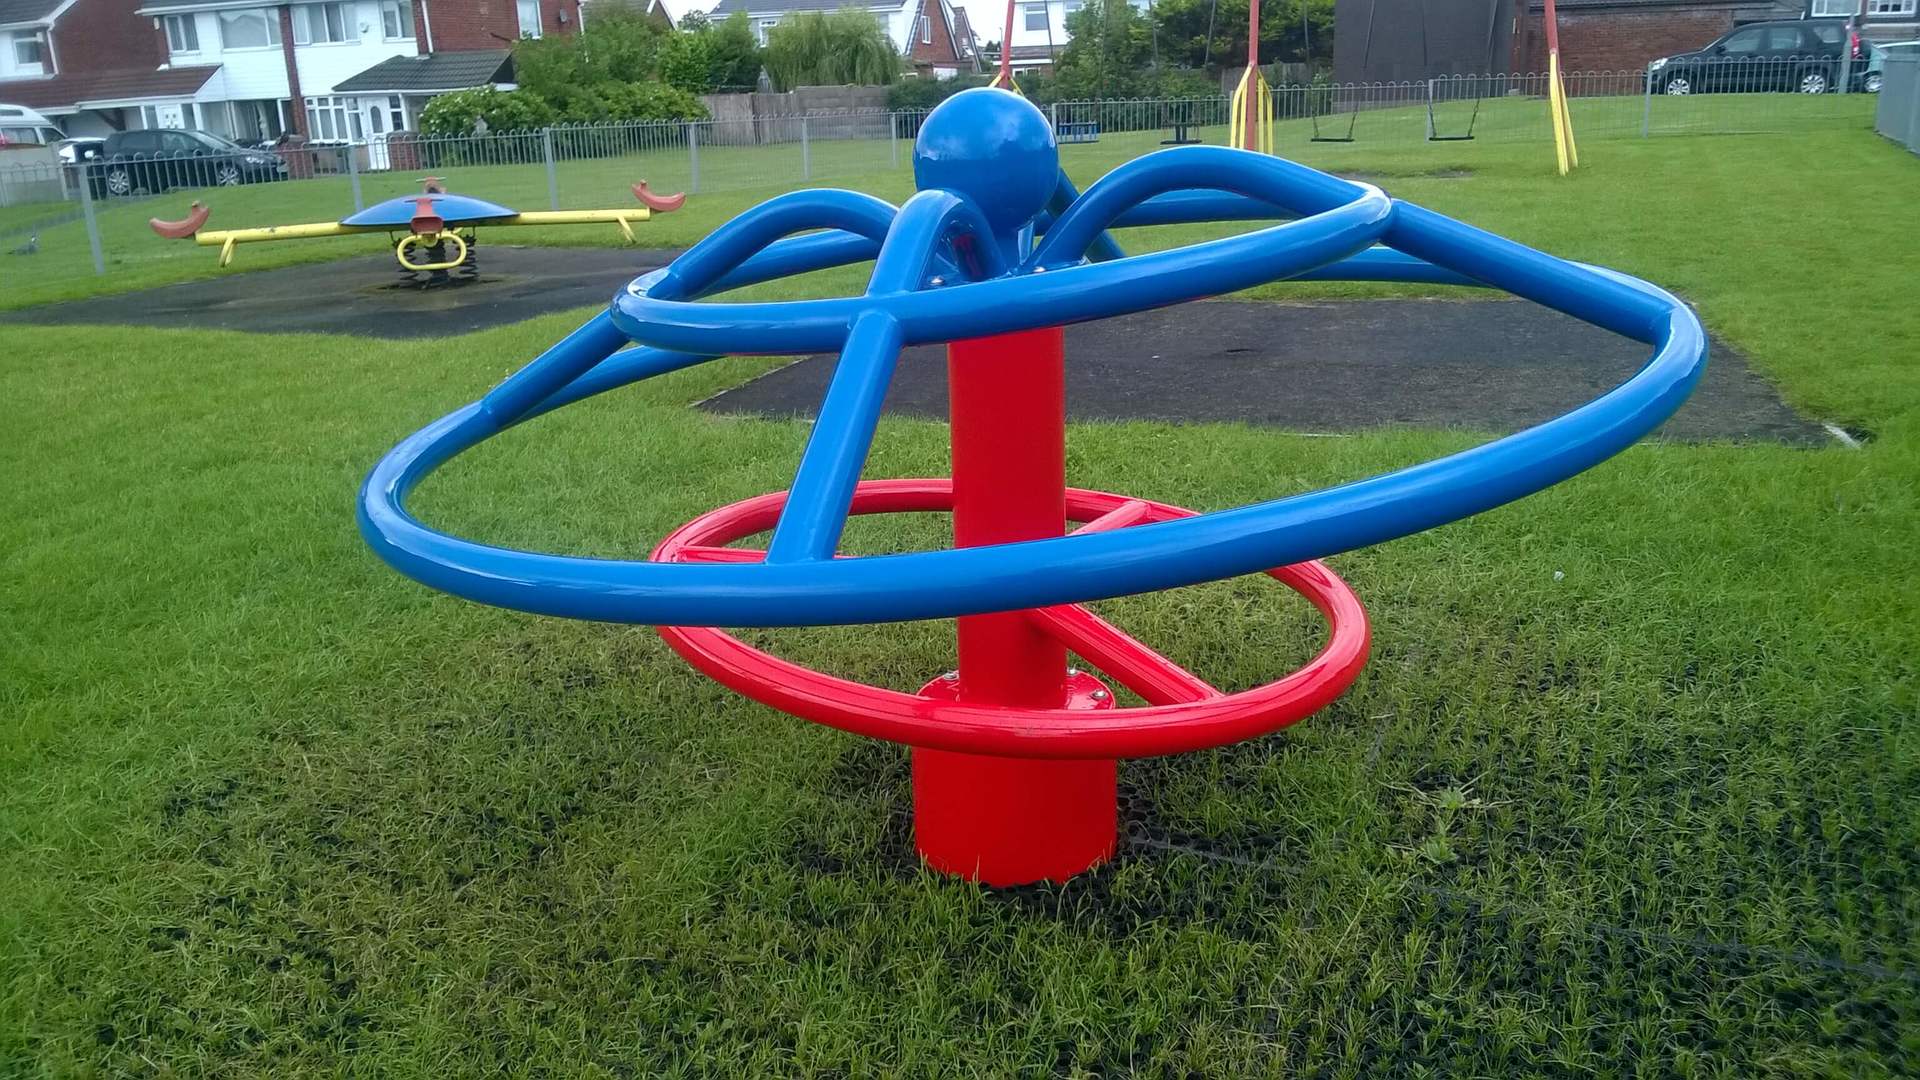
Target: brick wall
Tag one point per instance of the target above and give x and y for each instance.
(941, 51)
(490, 24)
(1619, 40)
(106, 35)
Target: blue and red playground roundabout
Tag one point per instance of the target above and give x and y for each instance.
(1014, 753)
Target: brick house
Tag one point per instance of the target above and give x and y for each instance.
(250, 70)
(1622, 35)
(92, 66)
(1411, 40)
(930, 34)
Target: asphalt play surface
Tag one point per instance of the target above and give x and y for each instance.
(1486, 365)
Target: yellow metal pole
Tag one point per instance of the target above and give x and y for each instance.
(622, 218)
(224, 237)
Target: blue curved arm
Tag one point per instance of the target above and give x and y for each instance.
(1184, 208)
(927, 223)
(733, 243)
(812, 591)
(1046, 295)
(1105, 248)
(1265, 179)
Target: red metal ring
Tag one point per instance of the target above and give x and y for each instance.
(1002, 730)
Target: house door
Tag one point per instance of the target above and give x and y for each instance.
(385, 115)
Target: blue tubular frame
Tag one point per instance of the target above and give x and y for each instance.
(802, 584)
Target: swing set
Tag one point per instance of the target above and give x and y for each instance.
(1426, 65)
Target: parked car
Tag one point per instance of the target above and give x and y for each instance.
(19, 124)
(75, 151)
(157, 159)
(1802, 55)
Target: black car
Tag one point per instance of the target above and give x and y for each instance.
(157, 159)
(1804, 56)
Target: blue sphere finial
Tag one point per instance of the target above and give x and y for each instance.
(995, 148)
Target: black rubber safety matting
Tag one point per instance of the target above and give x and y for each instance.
(364, 295)
(1487, 365)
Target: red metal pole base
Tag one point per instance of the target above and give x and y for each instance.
(1012, 821)
(1007, 821)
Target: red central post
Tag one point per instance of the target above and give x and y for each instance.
(1010, 821)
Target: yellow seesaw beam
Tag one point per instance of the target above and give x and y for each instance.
(622, 218)
(225, 239)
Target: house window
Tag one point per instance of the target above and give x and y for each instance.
(926, 29)
(29, 53)
(396, 19)
(183, 34)
(765, 25)
(397, 112)
(324, 24)
(255, 119)
(332, 119)
(1890, 7)
(529, 11)
(1036, 16)
(1834, 8)
(250, 28)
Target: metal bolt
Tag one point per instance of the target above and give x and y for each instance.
(1072, 671)
(951, 676)
(1099, 695)
(937, 281)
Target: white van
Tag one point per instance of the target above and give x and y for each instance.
(19, 124)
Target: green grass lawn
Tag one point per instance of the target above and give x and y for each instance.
(1630, 787)
(1514, 133)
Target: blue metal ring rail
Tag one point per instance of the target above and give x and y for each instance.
(1337, 225)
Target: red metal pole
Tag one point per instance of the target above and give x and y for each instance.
(1010, 821)
(1251, 121)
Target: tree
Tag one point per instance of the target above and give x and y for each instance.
(848, 47)
(618, 45)
(686, 61)
(1109, 52)
(734, 55)
(1183, 26)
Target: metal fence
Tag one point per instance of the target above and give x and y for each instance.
(1762, 97)
(93, 206)
(1897, 115)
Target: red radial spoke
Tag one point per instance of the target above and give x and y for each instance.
(1118, 653)
(1131, 512)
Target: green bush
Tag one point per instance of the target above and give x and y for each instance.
(641, 101)
(618, 45)
(686, 62)
(911, 94)
(510, 110)
(523, 110)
